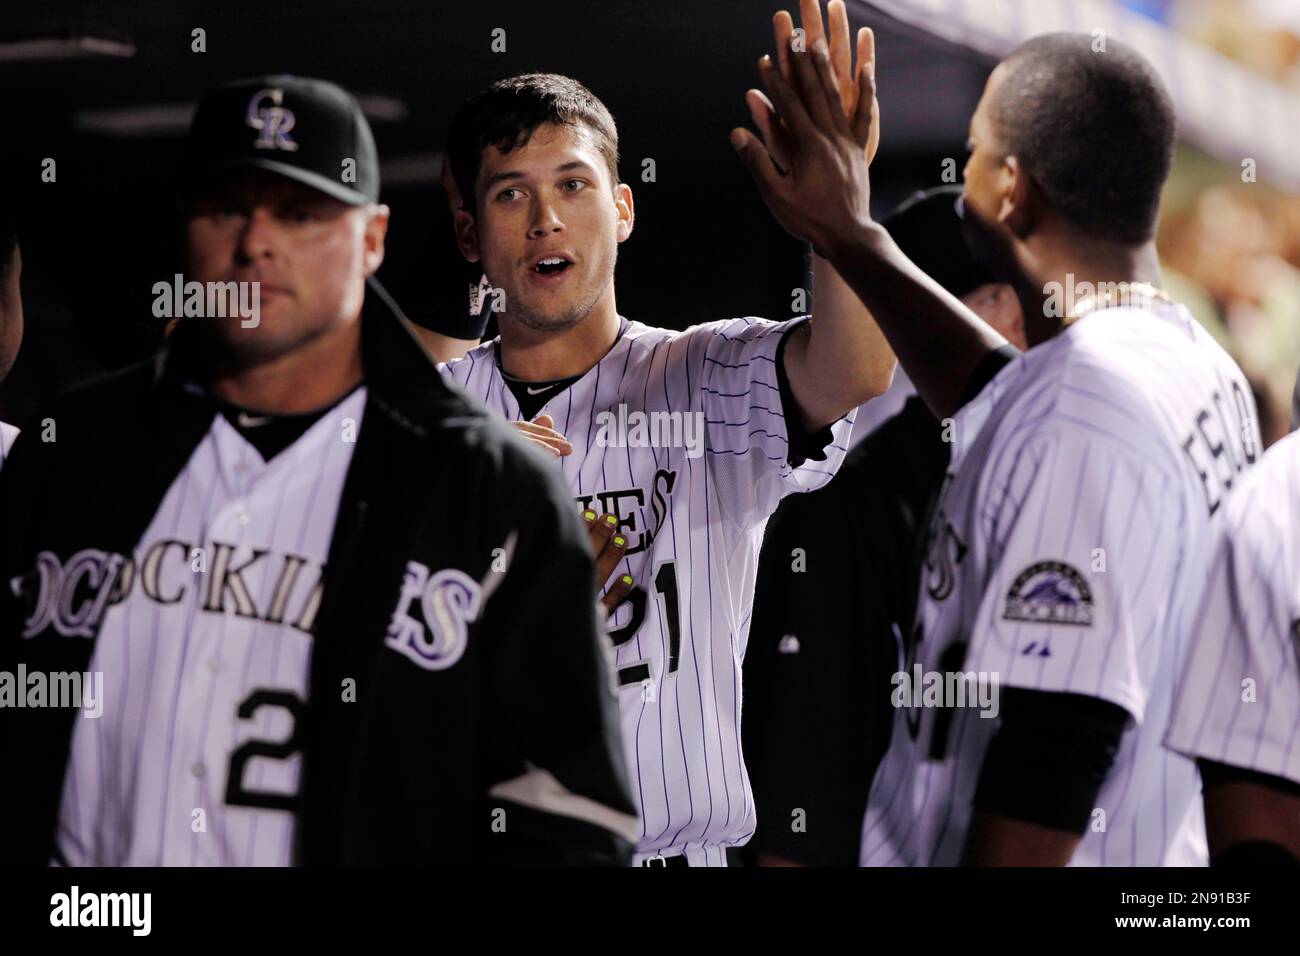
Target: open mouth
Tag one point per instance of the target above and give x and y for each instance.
(552, 265)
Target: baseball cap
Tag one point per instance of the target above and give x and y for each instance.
(301, 128)
(927, 227)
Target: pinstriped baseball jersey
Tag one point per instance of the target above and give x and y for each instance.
(1066, 555)
(221, 595)
(693, 506)
(1249, 627)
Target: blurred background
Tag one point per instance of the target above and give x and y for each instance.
(105, 88)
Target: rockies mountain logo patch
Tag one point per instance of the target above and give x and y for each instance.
(1050, 592)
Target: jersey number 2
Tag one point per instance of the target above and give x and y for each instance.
(236, 793)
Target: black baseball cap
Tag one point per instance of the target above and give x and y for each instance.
(301, 128)
(927, 227)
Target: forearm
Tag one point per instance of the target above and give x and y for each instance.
(937, 339)
(996, 840)
(846, 347)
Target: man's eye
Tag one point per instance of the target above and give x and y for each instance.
(573, 185)
(507, 195)
(300, 216)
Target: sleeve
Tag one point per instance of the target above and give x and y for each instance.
(556, 760)
(747, 440)
(1238, 699)
(1076, 528)
(1049, 758)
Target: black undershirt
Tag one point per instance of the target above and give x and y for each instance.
(272, 434)
(531, 396)
(1050, 757)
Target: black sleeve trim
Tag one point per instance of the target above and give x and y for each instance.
(1049, 757)
(803, 444)
(988, 367)
(1215, 774)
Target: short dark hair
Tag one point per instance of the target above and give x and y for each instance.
(508, 112)
(1095, 130)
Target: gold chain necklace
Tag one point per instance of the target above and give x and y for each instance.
(1124, 293)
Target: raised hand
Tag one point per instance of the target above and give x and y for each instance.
(824, 193)
(843, 66)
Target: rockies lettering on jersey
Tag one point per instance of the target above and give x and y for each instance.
(1066, 555)
(694, 525)
(1238, 702)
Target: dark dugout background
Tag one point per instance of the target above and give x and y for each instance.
(106, 89)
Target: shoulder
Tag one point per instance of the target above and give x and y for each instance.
(739, 330)
(460, 369)
(1268, 498)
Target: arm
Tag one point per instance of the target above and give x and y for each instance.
(841, 358)
(824, 197)
(995, 840)
(1041, 776)
(1256, 812)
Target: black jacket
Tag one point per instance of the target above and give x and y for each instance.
(401, 775)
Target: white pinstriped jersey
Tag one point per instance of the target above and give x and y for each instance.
(1248, 628)
(694, 522)
(223, 590)
(1068, 548)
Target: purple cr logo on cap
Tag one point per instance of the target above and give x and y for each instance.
(273, 122)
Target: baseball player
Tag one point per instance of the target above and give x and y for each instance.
(340, 613)
(687, 439)
(1237, 706)
(1087, 475)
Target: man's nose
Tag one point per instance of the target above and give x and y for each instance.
(546, 220)
(256, 239)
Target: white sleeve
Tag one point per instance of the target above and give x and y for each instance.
(746, 440)
(1238, 700)
(1077, 530)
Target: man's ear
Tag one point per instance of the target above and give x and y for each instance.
(1018, 209)
(625, 209)
(376, 230)
(466, 234)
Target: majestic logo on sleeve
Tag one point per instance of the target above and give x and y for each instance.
(1050, 592)
(449, 600)
(272, 122)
